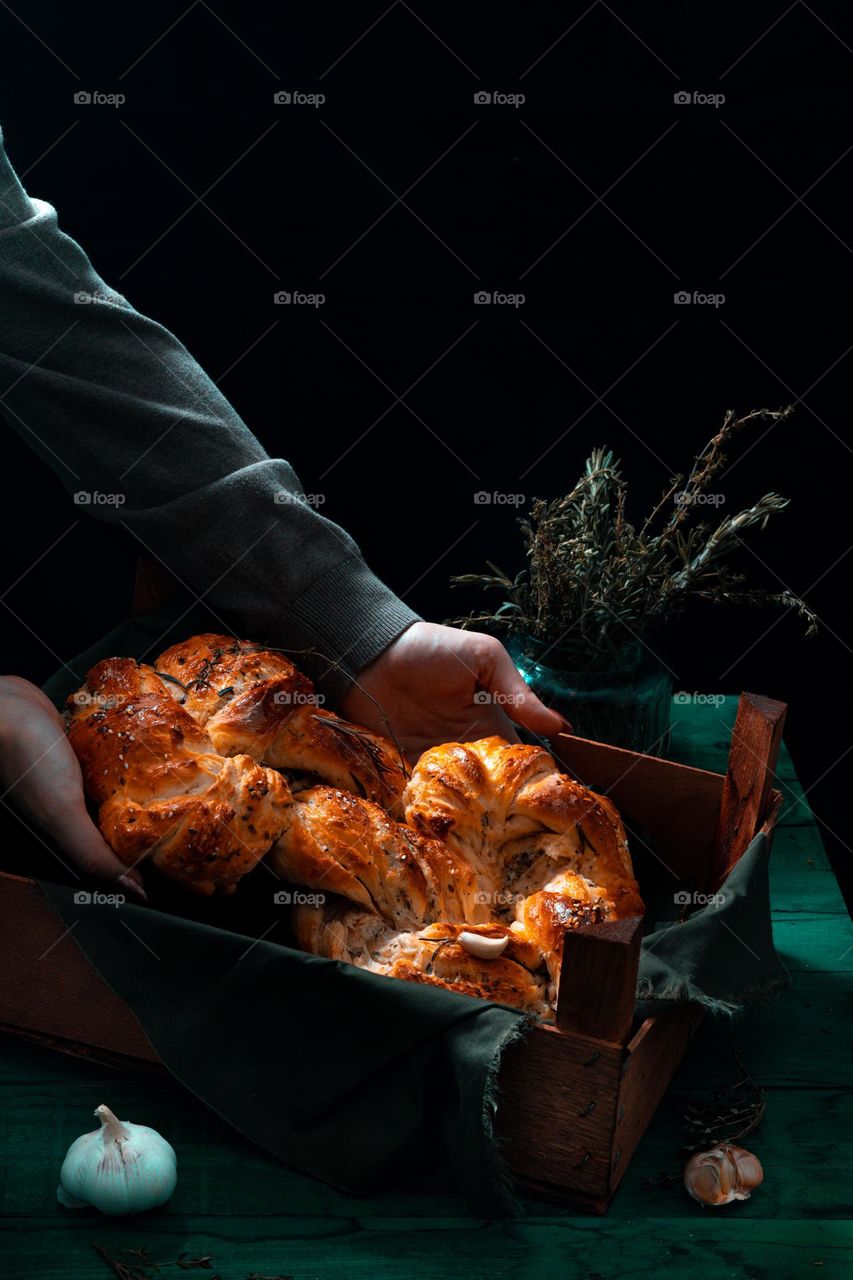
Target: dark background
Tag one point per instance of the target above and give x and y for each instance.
(749, 199)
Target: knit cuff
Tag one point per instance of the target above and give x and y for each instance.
(350, 617)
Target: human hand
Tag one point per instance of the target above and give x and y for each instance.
(40, 774)
(439, 684)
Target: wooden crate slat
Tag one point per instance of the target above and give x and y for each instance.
(676, 803)
(557, 1109)
(756, 740)
(47, 984)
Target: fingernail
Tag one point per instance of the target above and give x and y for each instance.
(567, 726)
(134, 889)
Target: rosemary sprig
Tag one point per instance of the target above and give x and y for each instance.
(126, 1270)
(594, 582)
(366, 743)
(733, 1112)
(146, 1268)
(164, 675)
(332, 663)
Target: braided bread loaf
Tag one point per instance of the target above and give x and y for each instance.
(546, 854)
(161, 759)
(206, 764)
(162, 790)
(254, 701)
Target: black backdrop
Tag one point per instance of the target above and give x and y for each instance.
(400, 197)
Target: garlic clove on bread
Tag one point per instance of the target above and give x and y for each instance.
(481, 945)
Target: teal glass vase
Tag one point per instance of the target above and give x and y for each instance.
(627, 704)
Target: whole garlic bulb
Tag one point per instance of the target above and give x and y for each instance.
(119, 1168)
(722, 1175)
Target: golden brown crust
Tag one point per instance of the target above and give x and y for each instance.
(340, 844)
(431, 956)
(544, 918)
(498, 842)
(163, 792)
(254, 701)
(500, 980)
(553, 850)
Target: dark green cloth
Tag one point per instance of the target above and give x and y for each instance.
(722, 956)
(344, 1074)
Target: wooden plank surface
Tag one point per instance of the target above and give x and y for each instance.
(253, 1215)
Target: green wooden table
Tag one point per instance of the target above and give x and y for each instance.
(254, 1216)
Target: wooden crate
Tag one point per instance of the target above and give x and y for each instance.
(574, 1098)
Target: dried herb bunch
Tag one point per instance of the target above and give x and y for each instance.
(595, 582)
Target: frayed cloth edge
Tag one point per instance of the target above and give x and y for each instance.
(683, 991)
(501, 1178)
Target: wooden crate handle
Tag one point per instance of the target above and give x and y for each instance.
(598, 979)
(754, 752)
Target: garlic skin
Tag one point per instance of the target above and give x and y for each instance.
(724, 1174)
(481, 945)
(119, 1168)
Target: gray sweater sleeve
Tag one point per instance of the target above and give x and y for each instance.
(118, 408)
